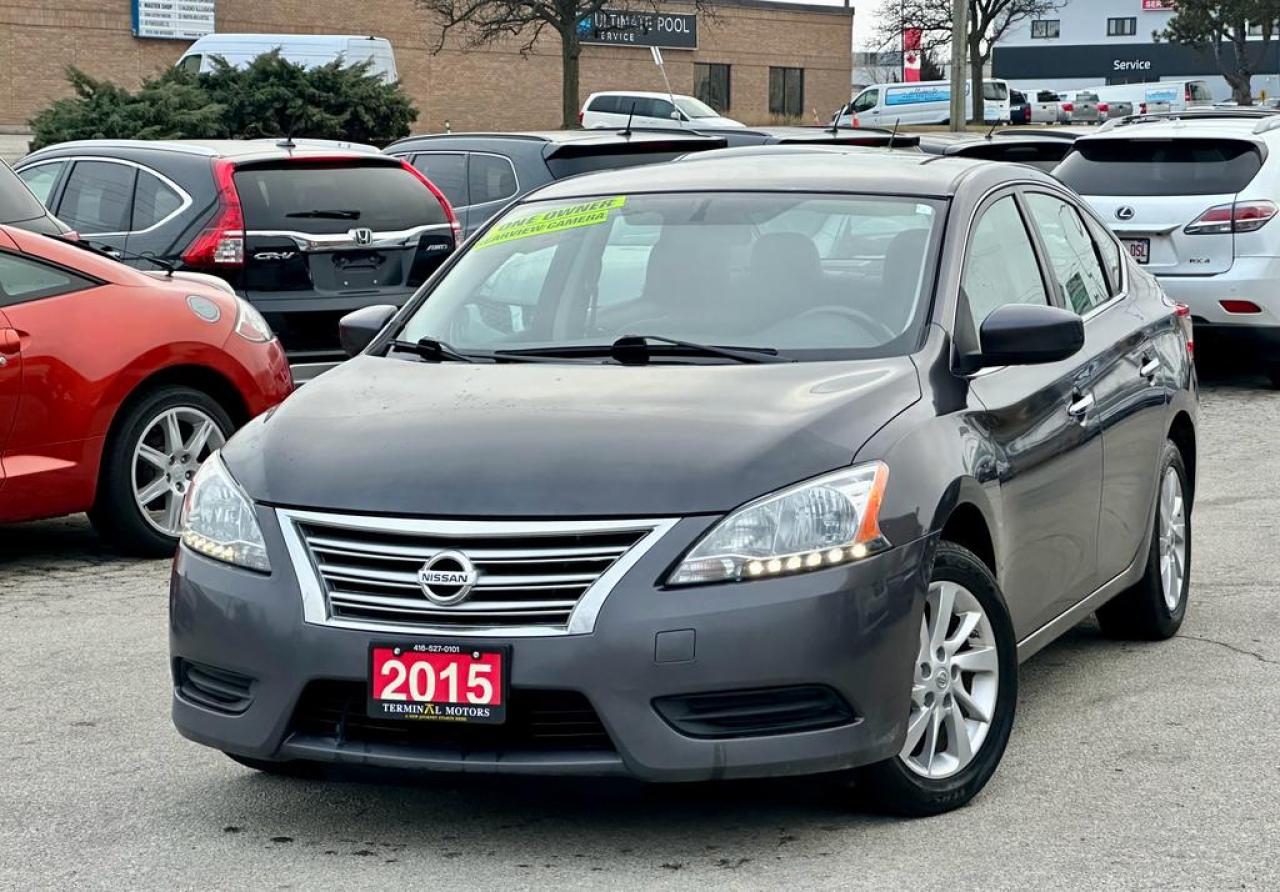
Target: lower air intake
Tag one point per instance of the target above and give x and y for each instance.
(755, 713)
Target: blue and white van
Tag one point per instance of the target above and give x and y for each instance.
(922, 102)
(1160, 96)
(308, 50)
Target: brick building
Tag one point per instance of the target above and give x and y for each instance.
(488, 87)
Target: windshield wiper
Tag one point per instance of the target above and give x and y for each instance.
(432, 350)
(326, 214)
(635, 350)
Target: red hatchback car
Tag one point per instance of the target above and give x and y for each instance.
(116, 384)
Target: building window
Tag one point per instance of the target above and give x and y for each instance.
(786, 92)
(1046, 28)
(1122, 27)
(711, 84)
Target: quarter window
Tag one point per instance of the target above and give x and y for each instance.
(1001, 264)
(1046, 28)
(786, 92)
(448, 170)
(153, 202)
(1072, 255)
(711, 84)
(491, 178)
(98, 196)
(41, 178)
(1122, 27)
(23, 279)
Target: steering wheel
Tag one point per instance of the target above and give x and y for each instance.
(863, 319)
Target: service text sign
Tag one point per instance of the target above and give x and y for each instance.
(615, 28)
(173, 19)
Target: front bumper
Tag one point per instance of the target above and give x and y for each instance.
(853, 629)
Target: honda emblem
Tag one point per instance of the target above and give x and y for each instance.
(362, 235)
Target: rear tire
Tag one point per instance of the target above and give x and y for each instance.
(931, 774)
(1154, 607)
(139, 454)
(1273, 372)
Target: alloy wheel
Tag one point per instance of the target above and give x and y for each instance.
(954, 685)
(165, 460)
(1173, 538)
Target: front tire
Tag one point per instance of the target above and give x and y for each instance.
(964, 693)
(1153, 608)
(148, 463)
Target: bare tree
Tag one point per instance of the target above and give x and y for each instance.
(1215, 25)
(989, 21)
(483, 22)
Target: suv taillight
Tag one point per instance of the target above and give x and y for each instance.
(221, 243)
(1103, 107)
(581, 115)
(1183, 314)
(444, 202)
(1067, 107)
(1242, 216)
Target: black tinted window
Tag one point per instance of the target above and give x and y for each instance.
(448, 170)
(567, 167)
(1159, 167)
(16, 201)
(97, 197)
(330, 199)
(153, 202)
(606, 104)
(492, 178)
(23, 279)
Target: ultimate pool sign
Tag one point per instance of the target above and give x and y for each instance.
(622, 28)
(173, 19)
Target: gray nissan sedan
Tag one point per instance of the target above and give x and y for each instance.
(717, 469)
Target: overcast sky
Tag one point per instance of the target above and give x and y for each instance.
(864, 15)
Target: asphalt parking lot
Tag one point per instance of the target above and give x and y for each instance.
(1130, 765)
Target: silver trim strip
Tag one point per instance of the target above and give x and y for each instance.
(310, 241)
(582, 620)
(187, 201)
(410, 155)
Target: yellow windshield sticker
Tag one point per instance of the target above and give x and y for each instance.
(571, 216)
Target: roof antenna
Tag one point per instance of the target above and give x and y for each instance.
(626, 131)
(994, 125)
(893, 136)
(287, 143)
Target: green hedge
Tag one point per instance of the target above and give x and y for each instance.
(272, 97)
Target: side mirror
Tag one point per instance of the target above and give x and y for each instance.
(1029, 334)
(675, 116)
(359, 327)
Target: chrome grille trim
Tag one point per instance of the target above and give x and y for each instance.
(554, 603)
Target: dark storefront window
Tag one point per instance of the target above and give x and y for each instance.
(786, 92)
(1046, 28)
(711, 84)
(1124, 27)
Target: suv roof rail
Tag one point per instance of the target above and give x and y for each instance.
(1199, 113)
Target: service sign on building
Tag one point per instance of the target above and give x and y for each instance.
(670, 31)
(173, 19)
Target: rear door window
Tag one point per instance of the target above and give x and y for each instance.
(98, 197)
(328, 198)
(490, 178)
(448, 170)
(1071, 252)
(16, 203)
(1160, 166)
(154, 202)
(1000, 265)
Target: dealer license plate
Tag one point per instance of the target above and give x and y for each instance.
(1139, 249)
(438, 682)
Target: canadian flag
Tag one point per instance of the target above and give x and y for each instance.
(911, 54)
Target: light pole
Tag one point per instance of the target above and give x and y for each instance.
(959, 31)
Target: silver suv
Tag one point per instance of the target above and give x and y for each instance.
(1191, 195)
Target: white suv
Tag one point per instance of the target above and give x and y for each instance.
(614, 109)
(1191, 195)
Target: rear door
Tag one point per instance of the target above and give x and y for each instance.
(1150, 190)
(97, 201)
(325, 237)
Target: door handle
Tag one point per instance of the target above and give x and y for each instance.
(10, 342)
(1081, 403)
(1149, 368)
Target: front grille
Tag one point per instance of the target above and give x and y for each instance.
(218, 689)
(753, 713)
(537, 720)
(527, 574)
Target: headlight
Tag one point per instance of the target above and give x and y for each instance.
(218, 519)
(830, 520)
(249, 323)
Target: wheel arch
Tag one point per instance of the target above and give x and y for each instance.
(1182, 433)
(964, 517)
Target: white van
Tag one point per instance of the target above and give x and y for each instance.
(1159, 96)
(308, 50)
(922, 102)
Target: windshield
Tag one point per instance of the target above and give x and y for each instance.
(841, 275)
(695, 109)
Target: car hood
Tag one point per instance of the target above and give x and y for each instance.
(394, 436)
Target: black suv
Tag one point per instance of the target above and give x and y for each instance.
(306, 230)
(481, 173)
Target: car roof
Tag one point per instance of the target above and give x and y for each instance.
(1189, 126)
(786, 169)
(592, 136)
(234, 149)
(648, 94)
